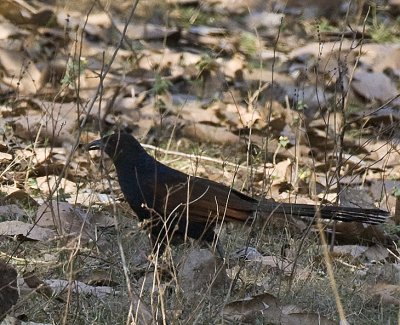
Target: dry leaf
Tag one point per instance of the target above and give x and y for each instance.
(208, 133)
(315, 50)
(60, 286)
(12, 211)
(17, 12)
(381, 57)
(100, 278)
(26, 230)
(9, 30)
(376, 253)
(191, 110)
(232, 66)
(355, 233)
(200, 270)
(22, 74)
(5, 157)
(148, 31)
(267, 308)
(34, 282)
(277, 262)
(8, 288)
(305, 318)
(388, 293)
(249, 253)
(349, 250)
(68, 221)
(374, 85)
(46, 184)
(254, 308)
(19, 196)
(269, 20)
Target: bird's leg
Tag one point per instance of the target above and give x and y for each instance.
(157, 246)
(161, 257)
(215, 245)
(220, 249)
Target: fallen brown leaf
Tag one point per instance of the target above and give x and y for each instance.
(208, 133)
(34, 282)
(8, 288)
(199, 272)
(67, 220)
(388, 293)
(26, 230)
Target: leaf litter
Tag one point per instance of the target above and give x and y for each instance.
(209, 85)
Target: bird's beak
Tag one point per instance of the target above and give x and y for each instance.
(95, 145)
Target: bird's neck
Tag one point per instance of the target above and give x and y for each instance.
(141, 163)
(137, 177)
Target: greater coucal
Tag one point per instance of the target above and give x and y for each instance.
(176, 203)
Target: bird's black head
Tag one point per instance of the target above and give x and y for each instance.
(117, 146)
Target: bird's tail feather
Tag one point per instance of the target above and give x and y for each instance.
(346, 214)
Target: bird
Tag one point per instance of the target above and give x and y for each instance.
(177, 204)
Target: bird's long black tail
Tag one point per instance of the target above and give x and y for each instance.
(346, 214)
